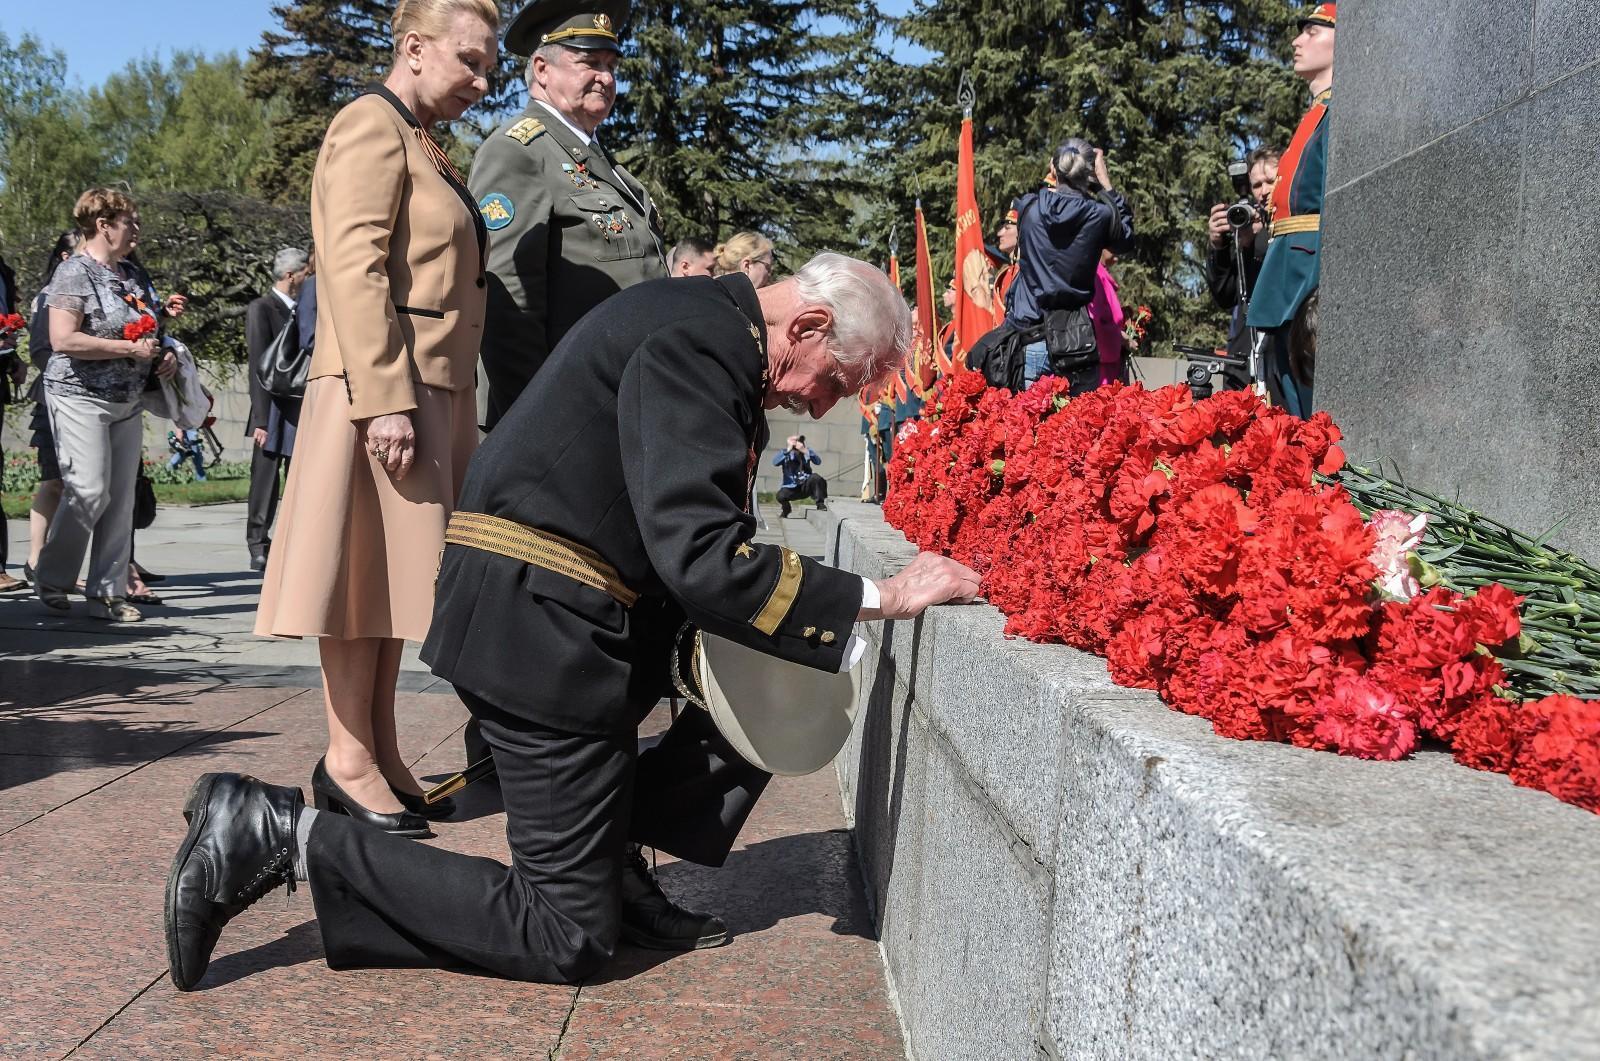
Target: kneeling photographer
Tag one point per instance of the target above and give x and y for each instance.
(1061, 232)
(1238, 233)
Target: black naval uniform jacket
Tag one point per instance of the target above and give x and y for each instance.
(638, 439)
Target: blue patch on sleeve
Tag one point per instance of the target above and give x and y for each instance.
(497, 211)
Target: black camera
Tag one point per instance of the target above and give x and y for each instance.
(1246, 211)
(1203, 364)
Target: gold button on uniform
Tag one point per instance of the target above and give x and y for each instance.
(809, 631)
(827, 637)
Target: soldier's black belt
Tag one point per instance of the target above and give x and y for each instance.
(540, 548)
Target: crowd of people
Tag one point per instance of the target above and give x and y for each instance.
(546, 534)
(1056, 297)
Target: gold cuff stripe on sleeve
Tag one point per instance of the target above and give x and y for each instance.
(1297, 223)
(531, 545)
(783, 595)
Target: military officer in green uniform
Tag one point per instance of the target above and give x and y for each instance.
(1292, 268)
(568, 226)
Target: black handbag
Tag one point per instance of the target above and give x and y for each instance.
(1070, 345)
(283, 366)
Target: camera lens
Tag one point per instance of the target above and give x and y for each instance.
(1241, 215)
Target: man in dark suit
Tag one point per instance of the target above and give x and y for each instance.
(272, 420)
(606, 508)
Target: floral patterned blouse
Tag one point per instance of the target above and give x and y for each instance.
(108, 298)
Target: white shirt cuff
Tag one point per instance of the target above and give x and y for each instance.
(856, 647)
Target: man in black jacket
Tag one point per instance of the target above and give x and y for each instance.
(621, 477)
(272, 420)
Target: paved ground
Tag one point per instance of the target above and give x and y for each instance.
(102, 729)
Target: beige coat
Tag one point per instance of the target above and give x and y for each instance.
(400, 270)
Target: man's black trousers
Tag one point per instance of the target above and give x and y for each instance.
(572, 802)
(263, 504)
(815, 487)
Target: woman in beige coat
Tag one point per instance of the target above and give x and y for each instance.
(389, 420)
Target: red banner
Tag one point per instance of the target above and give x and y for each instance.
(925, 325)
(975, 310)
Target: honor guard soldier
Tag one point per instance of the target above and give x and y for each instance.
(1292, 268)
(568, 226)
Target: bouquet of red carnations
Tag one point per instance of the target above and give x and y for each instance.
(139, 328)
(1209, 551)
(11, 323)
(1133, 329)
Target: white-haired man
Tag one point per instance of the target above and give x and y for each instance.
(606, 509)
(272, 419)
(568, 226)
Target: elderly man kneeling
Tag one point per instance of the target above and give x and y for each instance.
(623, 472)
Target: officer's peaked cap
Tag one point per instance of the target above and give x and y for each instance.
(592, 25)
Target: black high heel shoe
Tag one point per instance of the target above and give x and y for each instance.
(328, 796)
(433, 812)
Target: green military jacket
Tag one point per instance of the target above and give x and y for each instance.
(1292, 268)
(568, 228)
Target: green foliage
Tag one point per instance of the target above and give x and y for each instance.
(1173, 90)
(183, 138)
(47, 157)
(326, 53)
(734, 113)
(183, 125)
(217, 248)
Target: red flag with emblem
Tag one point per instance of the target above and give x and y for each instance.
(974, 276)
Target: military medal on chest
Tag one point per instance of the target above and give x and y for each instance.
(578, 174)
(611, 223)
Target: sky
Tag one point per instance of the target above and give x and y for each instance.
(98, 38)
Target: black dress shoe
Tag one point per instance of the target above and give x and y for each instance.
(328, 796)
(239, 847)
(650, 919)
(433, 812)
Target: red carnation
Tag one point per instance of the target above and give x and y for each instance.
(139, 328)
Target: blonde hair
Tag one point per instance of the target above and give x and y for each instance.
(100, 204)
(430, 18)
(740, 245)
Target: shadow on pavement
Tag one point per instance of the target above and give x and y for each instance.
(56, 717)
(301, 944)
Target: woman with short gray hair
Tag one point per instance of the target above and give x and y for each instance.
(103, 334)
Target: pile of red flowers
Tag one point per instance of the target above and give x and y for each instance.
(138, 329)
(1192, 546)
(11, 322)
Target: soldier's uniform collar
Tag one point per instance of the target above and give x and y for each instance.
(584, 138)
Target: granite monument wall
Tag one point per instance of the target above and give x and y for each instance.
(1059, 867)
(1459, 336)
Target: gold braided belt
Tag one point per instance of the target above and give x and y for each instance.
(540, 548)
(1297, 223)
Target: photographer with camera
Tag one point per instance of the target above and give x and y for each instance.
(796, 459)
(1061, 233)
(1238, 233)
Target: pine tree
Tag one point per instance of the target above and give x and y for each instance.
(327, 52)
(1173, 90)
(734, 114)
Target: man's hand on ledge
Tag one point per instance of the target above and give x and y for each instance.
(928, 580)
